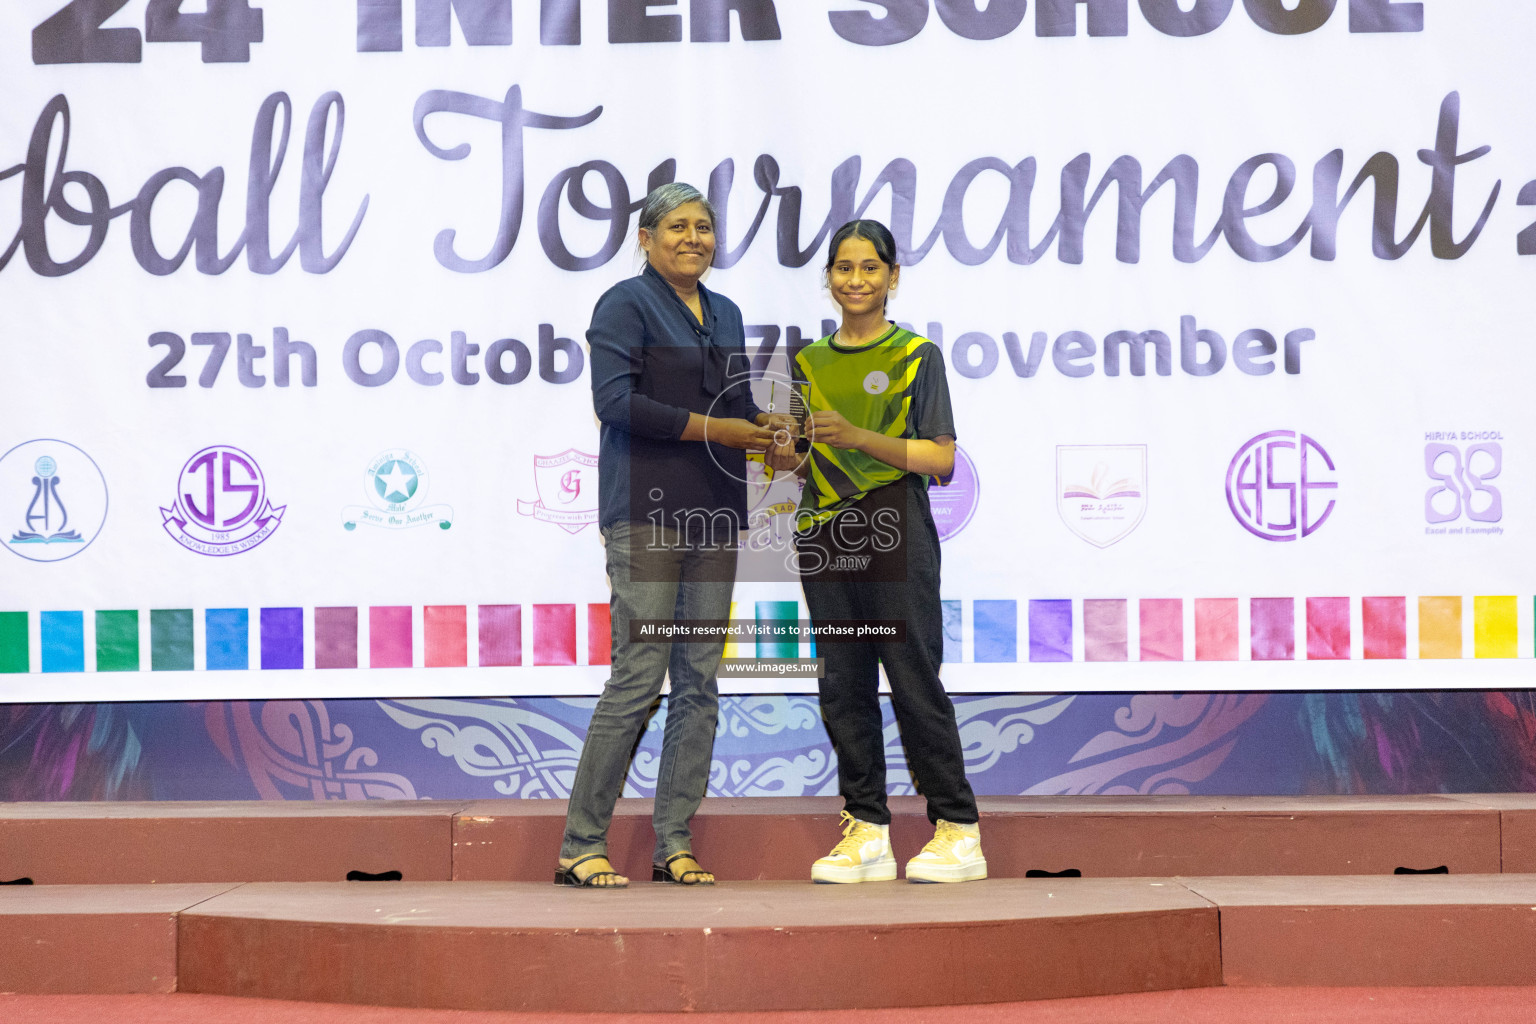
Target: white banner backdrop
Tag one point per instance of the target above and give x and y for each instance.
(1234, 296)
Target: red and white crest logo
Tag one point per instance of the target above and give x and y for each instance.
(567, 485)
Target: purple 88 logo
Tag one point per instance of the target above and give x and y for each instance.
(1465, 478)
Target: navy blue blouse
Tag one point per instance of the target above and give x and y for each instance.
(652, 365)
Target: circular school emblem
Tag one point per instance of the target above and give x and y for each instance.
(53, 500)
(221, 505)
(396, 485)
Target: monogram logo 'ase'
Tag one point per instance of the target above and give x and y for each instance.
(1271, 483)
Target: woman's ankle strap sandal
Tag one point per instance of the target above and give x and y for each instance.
(568, 876)
(692, 876)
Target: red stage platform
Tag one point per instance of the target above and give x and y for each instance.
(759, 839)
(93, 939)
(748, 946)
(238, 841)
(1429, 930)
(1099, 836)
(1253, 891)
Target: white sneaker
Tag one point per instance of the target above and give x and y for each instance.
(952, 855)
(864, 855)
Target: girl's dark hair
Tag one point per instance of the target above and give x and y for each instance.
(873, 232)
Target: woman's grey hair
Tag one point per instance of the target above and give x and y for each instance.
(666, 198)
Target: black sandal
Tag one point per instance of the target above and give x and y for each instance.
(663, 872)
(568, 876)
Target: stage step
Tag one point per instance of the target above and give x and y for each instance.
(760, 839)
(764, 945)
(733, 947)
(93, 939)
(1102, 837)
(1429, 930)
(1517, 828)
(234, 841)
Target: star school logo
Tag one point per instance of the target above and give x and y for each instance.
(221, 505)
(55, 500)
(567, 485)
(395, 484)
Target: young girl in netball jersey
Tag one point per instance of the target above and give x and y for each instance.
(880, 426)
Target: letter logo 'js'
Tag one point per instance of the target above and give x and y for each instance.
(221, 505)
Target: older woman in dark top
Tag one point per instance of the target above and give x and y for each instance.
(676, 427)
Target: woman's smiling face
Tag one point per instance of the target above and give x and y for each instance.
(682, 245)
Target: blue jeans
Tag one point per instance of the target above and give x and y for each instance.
(655, 581)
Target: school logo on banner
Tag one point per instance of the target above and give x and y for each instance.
(396, 485)
(53, 499)
(953, 500)
(1101, 490)
(1281, 485)
(1461, 464)
(221, 505)
(567, 485)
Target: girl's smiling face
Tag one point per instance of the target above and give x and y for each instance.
(859, 279)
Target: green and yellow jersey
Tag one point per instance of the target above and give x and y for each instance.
(894, 385)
